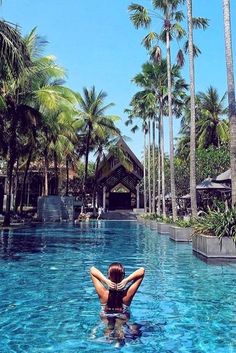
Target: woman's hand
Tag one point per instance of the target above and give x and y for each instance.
(122, 284)
(110, 284)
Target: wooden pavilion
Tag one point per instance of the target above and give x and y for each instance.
(119, 185)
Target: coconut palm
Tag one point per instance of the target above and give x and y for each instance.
(142, 107)
(93, 120)
(211, 128)
(23, 103)
(14, 55)
(231, 95)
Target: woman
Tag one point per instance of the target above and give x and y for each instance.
(115, 291)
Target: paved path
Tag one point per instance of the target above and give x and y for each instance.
(120, 215)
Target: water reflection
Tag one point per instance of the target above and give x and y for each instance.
(16, 242)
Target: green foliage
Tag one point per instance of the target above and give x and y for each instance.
(219, 224)
(184, 223)
(211, 162)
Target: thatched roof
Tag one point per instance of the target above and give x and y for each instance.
(209, 184)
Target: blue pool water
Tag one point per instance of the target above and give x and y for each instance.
(48, 303)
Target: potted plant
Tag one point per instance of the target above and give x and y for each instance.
(214, 235)
(181, 230)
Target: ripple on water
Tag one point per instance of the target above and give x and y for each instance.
(48, 303)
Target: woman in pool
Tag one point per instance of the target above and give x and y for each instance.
(115, 291)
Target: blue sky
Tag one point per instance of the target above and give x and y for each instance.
(98, 45)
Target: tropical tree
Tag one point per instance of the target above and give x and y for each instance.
(231, 95)
(172, 17)
(14, 55)
(23, 102)
(94, 121)
(141, 108)
(211, 128)
(140, 17)
(153, 80)
(193, 194)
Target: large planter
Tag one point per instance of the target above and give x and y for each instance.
(153, 225)
(213, 247)
(180, 234)
(163, 228)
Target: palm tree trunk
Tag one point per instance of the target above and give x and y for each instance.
(144, 175)
(10, 164)
(24, 180)
(153, 166)
(95, 184)
(231, 96)
(171, 132)
(149, 170)
(86, 167)
(56, 173)
(46, 172)
(192, 123)
(16, 187)
(7, 217)
(67, 176)
(163, 189)
(159, 171)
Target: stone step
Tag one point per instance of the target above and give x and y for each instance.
(119, 215)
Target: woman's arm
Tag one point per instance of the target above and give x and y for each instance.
(98, 281)
(136, 277)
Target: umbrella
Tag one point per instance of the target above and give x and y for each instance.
(223, 177)
(209, 184)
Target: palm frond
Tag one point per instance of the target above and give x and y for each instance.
(200, 22)
(149, 39)
(139, 16)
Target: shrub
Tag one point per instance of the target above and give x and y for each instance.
(184, 223)
(219, 224)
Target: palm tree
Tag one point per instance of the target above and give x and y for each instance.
(23, 103)
(172, 18)
(192, 124)
(231, 95)
(14, 54)
(94, 121)
(153, 79)
(140, 109)
(141, 17)
(211, 128)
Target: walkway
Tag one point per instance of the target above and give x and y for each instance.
(127, 215)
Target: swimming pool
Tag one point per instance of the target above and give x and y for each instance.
(48, 303)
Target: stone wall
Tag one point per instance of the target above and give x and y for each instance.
(55, 208)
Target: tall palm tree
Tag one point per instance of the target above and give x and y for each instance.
(153, 79)
(231, 95)
(193, 194)
(171, 17)
(140, 108)
(141, 17)
(93, 120)
(211, 128)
